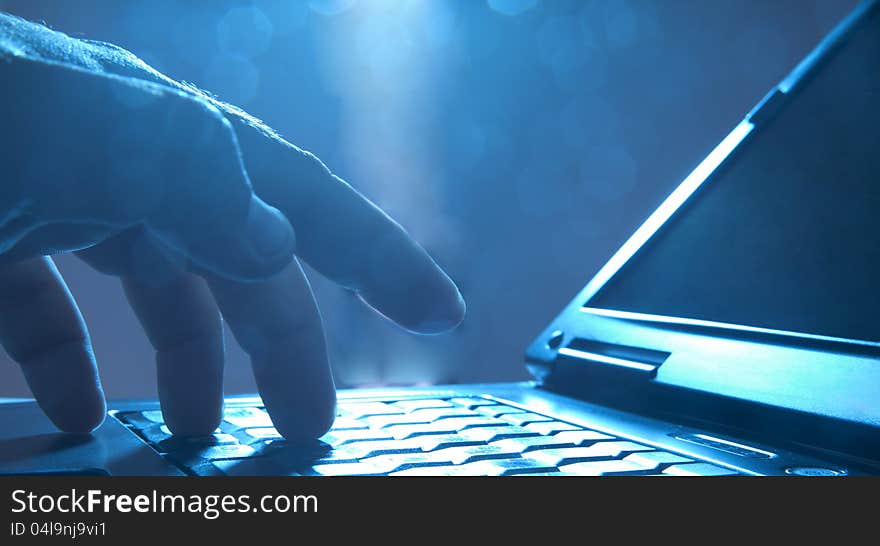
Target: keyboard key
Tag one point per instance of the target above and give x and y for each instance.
(339, 437)
(602, 468)
(524, 418)
(550, 428)
(256, 466)
(657, 458)
(267, 446)
(416, 417)
(434, 414)
(262, 433)
(491, 434)
(247, 417)
(382, 421)
(450, 470)
(347, 469)
(158, 435)
(304, 454)
(509, 467)
(497, 410)
(359, 410)
(193, 457)
(225, 451)
(472, 403)
(579, 437)
(531, 443)
(411, 405)
(600, 450)
(370, 448)
(416, 444)
(154, 416)
(467, 454)
(402, 432)
(440, 441)
(137, 419)
(347, 423)
(453, 455)
(444, 426)
(303, 464)
(698, 469)
(154, 433)
(177, 443)
(204, 468)
(280, 459)
(398, 461)
(503, 467)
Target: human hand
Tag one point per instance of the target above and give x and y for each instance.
(194, 204)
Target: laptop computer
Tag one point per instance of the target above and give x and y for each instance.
(735, 333)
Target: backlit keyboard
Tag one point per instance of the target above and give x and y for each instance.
(469, 436)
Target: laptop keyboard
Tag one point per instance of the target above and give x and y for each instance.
(470, 436)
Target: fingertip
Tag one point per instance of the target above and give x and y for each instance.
(446, 316)
(202, 424)
(191, 400)
(435, 307)
(304, 412)
(81, 416)
(66, 386)
(308, 426)
(441, 326)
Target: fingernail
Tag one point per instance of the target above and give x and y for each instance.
(268, 231)
(448, 321)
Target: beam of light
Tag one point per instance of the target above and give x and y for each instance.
(512, 8)
(383, 64)
(330, 7)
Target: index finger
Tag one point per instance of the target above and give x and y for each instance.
(348, 238)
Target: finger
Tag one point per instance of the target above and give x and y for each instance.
(349, 239)
(277, 323)
(135, 153)
(182, 322)
(179, 316)
(41, 328)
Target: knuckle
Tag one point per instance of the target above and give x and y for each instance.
(53, 346)
(200, 164)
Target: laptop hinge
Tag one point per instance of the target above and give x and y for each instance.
(613, 358)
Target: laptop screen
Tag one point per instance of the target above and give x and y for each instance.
(786, 235)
